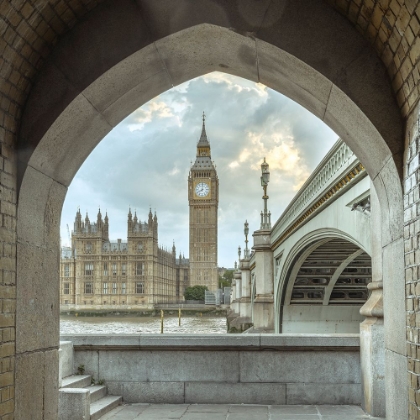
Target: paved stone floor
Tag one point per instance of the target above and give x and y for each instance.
(235, 412)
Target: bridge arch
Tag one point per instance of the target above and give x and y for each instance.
(87, 86)
(323, 284)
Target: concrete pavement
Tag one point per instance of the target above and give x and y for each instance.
(236, 412)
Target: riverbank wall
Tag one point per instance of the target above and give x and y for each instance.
(190, 310)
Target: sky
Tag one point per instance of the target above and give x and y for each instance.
(144, 162)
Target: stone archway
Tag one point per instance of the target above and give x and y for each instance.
(75, 103)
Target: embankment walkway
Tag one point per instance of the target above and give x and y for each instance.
(236, 412)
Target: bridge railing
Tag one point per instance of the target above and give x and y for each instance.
(338, 168)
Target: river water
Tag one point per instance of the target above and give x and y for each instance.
(136, 325)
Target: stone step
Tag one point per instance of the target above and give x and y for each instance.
(76, 381)
(104, 405)
(96, 392)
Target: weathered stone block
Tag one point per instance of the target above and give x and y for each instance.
(304, 393)
(143, 92)
(372, 356)
(363, 137)
(74, 404)
(39, 217)
(296, 366)
(286, 73)
(394, 296)
(55, 156)
(166, 366)
(66, 359)
(232, 53)
(37, 385)
(124, 77)
(90, 360)
(239, 393)
(37, 321)
(148, 392)
(397, 388)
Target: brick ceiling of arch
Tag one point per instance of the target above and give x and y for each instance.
(30, 29)
(392, 27)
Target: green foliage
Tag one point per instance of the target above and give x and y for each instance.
(195, 292)
(81, 370)
(226, 279)
(100, 381)
(229, 275)
(223, 282)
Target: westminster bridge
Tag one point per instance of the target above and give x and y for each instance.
(318, 268)
(310, 271)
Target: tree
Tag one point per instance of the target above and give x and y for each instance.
(195, 292)
(226, 279)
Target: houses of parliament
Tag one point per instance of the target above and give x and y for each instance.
(138, 272)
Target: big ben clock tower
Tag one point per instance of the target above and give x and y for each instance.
(203, 197)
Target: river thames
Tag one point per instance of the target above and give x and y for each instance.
(143, 325)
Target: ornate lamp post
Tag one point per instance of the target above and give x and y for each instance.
(239, 253)
(246, 231)
(265, 179)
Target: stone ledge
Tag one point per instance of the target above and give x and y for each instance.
(236, 393)
(230, 342)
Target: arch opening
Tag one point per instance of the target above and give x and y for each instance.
(53, 148)
(326, 288)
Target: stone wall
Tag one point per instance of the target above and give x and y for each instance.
(412, 258)
(392, 27)
(235, 369)
(7, 252)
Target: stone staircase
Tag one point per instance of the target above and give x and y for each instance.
(78, 398)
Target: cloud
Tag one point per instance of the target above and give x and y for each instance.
(144, 162)
(153, 110)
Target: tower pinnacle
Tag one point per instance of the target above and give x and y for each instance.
(203, 138)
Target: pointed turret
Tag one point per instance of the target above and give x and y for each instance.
(87, 223)
(203, 145)
(129, 221)
(99, 219)
(78, 222)
(203, 142)
(155, 225)
(150, 218)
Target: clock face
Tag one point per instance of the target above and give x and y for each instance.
(202, 189)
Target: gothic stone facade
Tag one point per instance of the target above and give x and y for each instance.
(98, 272)
(203, 197)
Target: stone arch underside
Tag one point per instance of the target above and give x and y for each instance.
(326, 288)
(113, 62)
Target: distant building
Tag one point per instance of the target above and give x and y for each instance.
(203, 198)
(95, 271)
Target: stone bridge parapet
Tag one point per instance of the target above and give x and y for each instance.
(338, 171)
